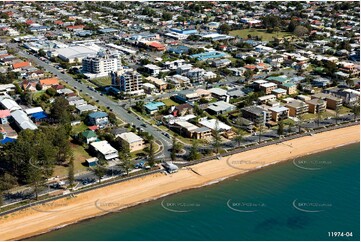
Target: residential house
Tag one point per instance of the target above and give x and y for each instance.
(159, 83)
(98, 118)
(220, 107)
(4, 116)
(153, 107)
(216, 125)
(49, 82)
(181, 110)
(85, 108)
(22, 120)
(219, 93)
(134, 141)
(104, 149)
(19, 65)
(190, 130)
(88, 136)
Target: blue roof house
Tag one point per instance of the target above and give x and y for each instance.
(153, 107)
(99, 119)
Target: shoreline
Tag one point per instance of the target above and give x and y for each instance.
(30, 222)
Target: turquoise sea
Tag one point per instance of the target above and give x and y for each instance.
(304, 199)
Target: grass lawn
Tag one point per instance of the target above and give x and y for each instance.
(344, 110)
(79, 128)
(36, 95)
(243, 33)
(80, 155)
(102, 81)
(169, 102)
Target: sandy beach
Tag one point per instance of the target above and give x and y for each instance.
(43, 218)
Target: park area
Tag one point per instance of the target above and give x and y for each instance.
(262, 33)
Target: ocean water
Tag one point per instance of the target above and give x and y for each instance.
(304, 199)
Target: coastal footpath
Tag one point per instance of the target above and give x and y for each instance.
(42, 218)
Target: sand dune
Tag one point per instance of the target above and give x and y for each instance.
(43, 218)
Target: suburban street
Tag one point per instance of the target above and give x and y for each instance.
(103, 100)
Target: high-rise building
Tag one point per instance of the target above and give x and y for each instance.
(127, 81)
(101, 64)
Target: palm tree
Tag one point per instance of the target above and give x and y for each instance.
(300, 122)
(356, 111)
(337, 114)
(238, 138)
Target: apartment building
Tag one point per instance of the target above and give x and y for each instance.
(316, 105)
(97, 65)
(332, 101)
(256, 114)
(296, 108)
(129, 82)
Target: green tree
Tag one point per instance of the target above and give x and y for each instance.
(280, 127)
(217, 137)
(194, 153)
(224, 28)
(124, 156)
(71, 176)
(356, 111)
(100, 172)
(238, 138)
(300, 31)
(60, 110)
(7, 182)
(151, 153)
(173, 151)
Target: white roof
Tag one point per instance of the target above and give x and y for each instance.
(212, 123)
(23, 120)
(103, 147)
(278, 109)
(268, 84)
(130, 137)
(33, 110)
(218, 91)
(10, 104)
(78, 51)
